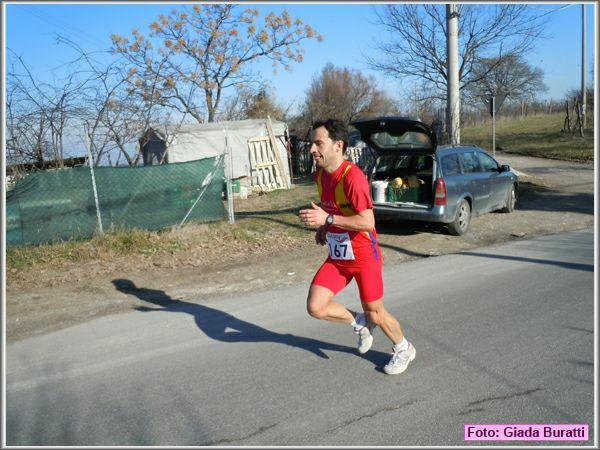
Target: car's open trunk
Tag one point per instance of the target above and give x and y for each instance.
(403, 180)
(403, 174)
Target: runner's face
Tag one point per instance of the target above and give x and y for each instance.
(324, 150)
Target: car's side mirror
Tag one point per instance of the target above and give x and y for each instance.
(504, 168)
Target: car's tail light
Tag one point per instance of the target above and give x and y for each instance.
(440, 192)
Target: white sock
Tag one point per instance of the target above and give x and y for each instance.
(359, 320)
(401, 346)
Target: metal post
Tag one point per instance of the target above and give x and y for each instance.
(206, 183)
(583, 103)
(288, 146)
(229, 177)
(91, 164)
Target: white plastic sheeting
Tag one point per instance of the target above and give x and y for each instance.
(190, 142)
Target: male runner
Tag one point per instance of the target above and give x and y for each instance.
(347, 225)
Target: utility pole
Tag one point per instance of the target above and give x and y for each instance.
(91, 164)
(453, 98)
(229, 177)
(583, 105)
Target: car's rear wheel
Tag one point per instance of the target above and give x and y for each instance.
(460, 225)
(511, 200)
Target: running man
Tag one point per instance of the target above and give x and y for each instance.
(346, 224)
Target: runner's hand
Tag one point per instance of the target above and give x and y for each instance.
(314, 217)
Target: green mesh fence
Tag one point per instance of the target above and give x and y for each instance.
(59, 205)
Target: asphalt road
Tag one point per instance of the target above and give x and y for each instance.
(504, 334)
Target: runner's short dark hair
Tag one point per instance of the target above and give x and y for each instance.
(338, 131)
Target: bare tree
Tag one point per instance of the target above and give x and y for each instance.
(416, 47)
(345, 94)
(23, 143)
(251, 104)
(112, 114)
(97, 102)
(206, 50)
(99, 109)
(116, 119)
(421, 105)
(510, 76)
(38, 114)
(589, 93)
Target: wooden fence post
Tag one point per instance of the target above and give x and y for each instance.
(579, 121)
(567, 122)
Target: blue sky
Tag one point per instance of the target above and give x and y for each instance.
(347, 30)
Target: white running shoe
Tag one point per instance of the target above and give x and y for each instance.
(364, 329)
(400, 360)
(365, 339)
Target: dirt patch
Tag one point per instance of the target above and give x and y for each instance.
(555, 196)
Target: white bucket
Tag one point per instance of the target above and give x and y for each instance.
(379, 188)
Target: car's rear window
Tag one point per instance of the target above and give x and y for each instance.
(393, 161)
(450, 165)
(407, 140)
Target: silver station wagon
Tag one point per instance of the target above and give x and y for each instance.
(414, 179)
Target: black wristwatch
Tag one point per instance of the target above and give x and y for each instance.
(329, 220)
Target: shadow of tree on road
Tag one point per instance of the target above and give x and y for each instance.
(533, 197)
(224, 327)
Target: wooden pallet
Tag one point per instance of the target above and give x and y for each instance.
(265, 168)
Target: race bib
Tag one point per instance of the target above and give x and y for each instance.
(340, 246)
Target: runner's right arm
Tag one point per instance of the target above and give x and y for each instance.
(362, 221)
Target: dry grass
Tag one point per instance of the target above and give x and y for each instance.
(539, 136)
(111, 245)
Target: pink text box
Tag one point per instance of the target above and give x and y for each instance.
(526, 432)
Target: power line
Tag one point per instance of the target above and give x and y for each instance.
(54, 21)
(66, 32)
(551, 11)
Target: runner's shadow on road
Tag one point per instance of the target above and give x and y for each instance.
(224, 327)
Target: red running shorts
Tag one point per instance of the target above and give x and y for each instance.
(368, 278)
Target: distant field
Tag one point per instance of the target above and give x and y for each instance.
(533, 136)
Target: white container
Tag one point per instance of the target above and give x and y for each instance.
(379, 190)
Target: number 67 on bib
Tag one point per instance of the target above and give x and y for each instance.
(340, 246)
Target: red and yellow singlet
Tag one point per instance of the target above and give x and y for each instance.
(352, 254)
(346, 192)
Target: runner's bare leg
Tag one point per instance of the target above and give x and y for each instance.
(378, 315)
(320, 304)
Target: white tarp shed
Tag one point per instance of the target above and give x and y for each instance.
(190, 142)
